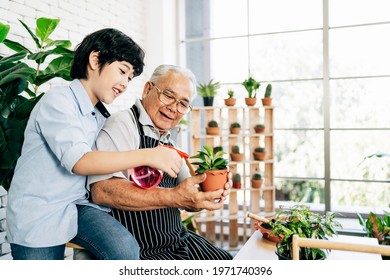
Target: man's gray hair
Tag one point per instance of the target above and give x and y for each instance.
(163, 69)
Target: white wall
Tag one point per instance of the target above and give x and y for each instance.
(151, 23)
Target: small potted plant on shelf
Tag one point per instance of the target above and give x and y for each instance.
(216, 149)
(212, 128)
(236, 155)
(267, 100)
(298, 219)
(235, 128)
(215, 167)
(237, 181)
(259, 128)
(251, 86)
(208, 91)
(256, 180)
(231, 100)
(259, 153)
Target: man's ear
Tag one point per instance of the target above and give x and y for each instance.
(147, 89)
(94, 60)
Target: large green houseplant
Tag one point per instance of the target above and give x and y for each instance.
(21, 75)
(298, 219)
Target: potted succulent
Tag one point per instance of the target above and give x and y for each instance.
(235, 128)
(216, 149)
(251, 86)
(212, 128)
(259, 128)
(22, 74)
(298, 219)
(256, 180)
(231, 100)
(259, 153)
(237, 181)
(208, 91)
(267, 100)
(215, 167)
(377, 227)
(236, 155)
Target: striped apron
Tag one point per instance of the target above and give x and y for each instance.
(160, 233)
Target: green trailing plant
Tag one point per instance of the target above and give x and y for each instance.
(210, 160)
(251, 86)
(230, 93)
(235, 125)
(268, 91)
(209, 89)
(300, 220)
(21, 75)
(213, 123)
(377, 227)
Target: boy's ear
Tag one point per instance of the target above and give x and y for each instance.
(94, 60)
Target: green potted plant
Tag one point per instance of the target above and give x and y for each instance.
(212, 128)
(235, 128)
(22, 75)
(208, 91)
(256, 179)
(236, 155)
(298, 219)
(251, 86)
(231, 100)
(259, 153)
(237, 181)
(214, 165)
(267, 100)
(259, 128)
(216, 149)
(377, 227)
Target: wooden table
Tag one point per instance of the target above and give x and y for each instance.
(259, 248)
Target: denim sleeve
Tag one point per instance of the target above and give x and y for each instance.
(60, 123)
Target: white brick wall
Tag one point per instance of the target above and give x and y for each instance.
(79, 18)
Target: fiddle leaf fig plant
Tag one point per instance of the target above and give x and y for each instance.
(21, 75)
(210, 160)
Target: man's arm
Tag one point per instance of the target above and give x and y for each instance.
(122, 194)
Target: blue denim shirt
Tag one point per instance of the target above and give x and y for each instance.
(42, 199)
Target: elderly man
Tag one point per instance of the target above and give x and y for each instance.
(153, 215)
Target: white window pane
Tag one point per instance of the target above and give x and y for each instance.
(284, 15)
(359, 51)
(360, 103)
(349, 12)
(299, 153)
(298, 104)
(349, 150)
(295, 55)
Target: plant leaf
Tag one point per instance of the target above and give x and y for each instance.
(15, 46)
(4, 29)
(45, 27)
(35, 38)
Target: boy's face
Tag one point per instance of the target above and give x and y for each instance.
(166, 117)
(111, 82)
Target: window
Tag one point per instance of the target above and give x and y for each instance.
(329, 67)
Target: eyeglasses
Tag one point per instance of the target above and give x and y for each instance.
(167, 98)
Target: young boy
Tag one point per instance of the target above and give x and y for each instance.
(48, 204)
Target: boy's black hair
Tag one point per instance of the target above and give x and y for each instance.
(112, 45)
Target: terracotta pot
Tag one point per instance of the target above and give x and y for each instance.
(212, 130)
(230, 102)
(235, 130)
(215, 180)
(260, 130)
(237, 157)
(258, 156)
(256, 184)
(265, 230)
(250, 101)
(267, 101)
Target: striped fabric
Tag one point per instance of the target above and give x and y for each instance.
(160, 233)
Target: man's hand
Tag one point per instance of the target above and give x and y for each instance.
(188, 195)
